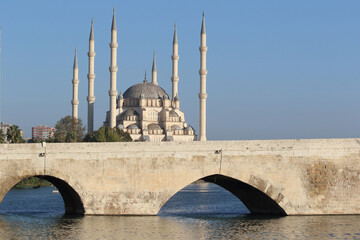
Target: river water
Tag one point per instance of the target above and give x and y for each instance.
(201, 211)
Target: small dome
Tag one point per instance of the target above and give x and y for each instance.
(172, 113)
(189, 128)
(133, 126)
(146, 90)
(175, 127)
(130, 112)
(120, 126)
(154, 126)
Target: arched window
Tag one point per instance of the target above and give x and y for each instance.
(153, 116)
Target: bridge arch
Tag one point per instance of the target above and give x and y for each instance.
(72, 200)
(257, 201)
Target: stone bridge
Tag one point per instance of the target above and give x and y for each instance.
(285, 177)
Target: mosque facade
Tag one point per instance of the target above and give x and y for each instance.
(145, 110)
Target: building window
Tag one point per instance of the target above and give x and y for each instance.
(153, 116)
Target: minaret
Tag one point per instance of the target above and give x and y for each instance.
(175, 60)
(91, 77)
(203, 73)
(154, 72)
(113, 70)
(75, 82)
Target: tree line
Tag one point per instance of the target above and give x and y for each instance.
(70, 129)
(12, 135)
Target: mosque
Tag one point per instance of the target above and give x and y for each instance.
(145, 110)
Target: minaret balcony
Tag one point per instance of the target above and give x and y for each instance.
(203, 95)
(113, 93)
(203, 49)
(113, 45)
(175, 57)
(203, 72)
(90, 99)
(91, 76)
(113, 68)
(91, 54)
(75, 102)
(174, 79)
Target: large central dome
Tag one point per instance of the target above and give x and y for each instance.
(146, 90)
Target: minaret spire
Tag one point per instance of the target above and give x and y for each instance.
(75, 60)
(203, 73)
(113, 24)
(92, 30)
(203, 30)
(91, 78)
(154, 72)
(75, 82)
(175, 40)
(175, 69)
(113, 71)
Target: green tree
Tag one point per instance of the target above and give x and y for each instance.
(90, 137)
(108, 134)
(70, 137)
(2, 136)
(69, 129)
(125, 136)
(13, 134)
(40, 140)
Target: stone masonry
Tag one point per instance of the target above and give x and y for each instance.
(287, 177)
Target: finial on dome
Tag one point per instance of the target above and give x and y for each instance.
(145, 79)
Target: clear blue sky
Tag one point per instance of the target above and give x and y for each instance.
(276, 69)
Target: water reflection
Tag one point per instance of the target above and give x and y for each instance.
(203, 199)
(184, 217)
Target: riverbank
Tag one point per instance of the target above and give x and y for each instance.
(32, 182)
